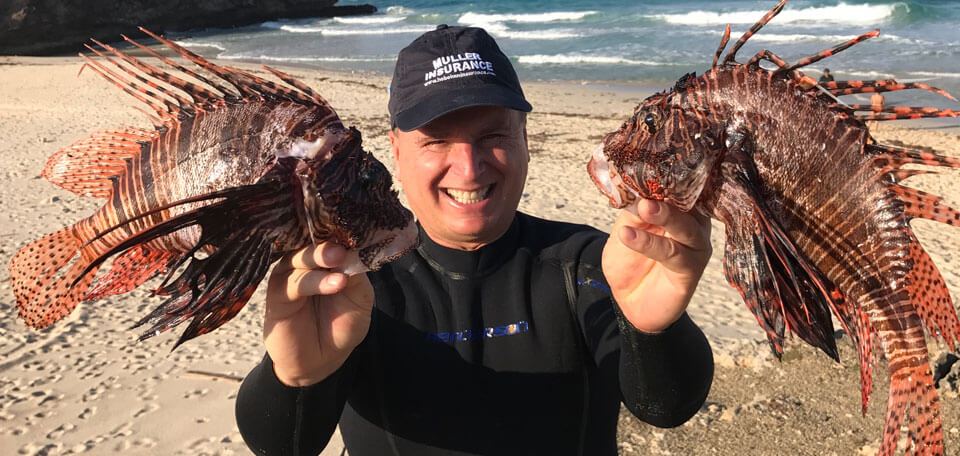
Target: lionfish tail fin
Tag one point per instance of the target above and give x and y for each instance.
(45, 293)
(912, 393)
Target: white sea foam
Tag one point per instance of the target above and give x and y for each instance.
(274, 58)
(189, 44)
(864, 74)
(398, 10)
(369, 19)
(933, 74)
(480, 18)
(573, 59)
(339, 31)
(841, 13)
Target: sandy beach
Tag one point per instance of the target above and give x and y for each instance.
(86, 385)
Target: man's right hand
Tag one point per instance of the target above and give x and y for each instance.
(314, 317)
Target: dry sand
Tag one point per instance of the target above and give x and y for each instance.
(86, 386)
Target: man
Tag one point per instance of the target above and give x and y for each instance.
(876, 105)
(500, 333)
(826, 76)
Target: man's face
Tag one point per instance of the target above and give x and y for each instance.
(463, 173)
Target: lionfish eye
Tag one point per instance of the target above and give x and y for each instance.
(651, 122)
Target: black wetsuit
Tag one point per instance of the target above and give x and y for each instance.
(510, 349)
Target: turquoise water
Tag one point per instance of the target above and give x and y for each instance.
(650, 43)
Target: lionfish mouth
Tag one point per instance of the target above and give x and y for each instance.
(608, 180)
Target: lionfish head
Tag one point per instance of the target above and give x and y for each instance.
(348, 197)
(665, 152)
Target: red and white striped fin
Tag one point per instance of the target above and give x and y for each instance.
(128, 271)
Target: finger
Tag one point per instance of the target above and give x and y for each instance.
(686, 228)
(324, 255)
(301, 283)
(652, 246)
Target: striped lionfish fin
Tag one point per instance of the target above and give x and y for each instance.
(925, 283)
(782, 288)
(237, 236)
(129, 271)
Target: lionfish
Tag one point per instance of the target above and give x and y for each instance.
(816, 220)
(237, 172)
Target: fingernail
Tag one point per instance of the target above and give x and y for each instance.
(653, 207)
(335, 280)
(627, 234)
(334, 254)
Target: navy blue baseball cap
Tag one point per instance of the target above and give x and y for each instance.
(447, 69)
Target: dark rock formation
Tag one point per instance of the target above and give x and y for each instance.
(45, 27)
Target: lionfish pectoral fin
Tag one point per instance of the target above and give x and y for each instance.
(44, 291)
(776, 287)
(212, 290)
(747, 271)
(236, 230)
(805, 295)
(89, 166)
(782, 288)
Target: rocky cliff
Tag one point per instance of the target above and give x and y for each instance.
(45, 27)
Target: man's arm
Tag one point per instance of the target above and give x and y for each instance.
(274, 418)
(652, 261)
(664, 377)
(314, 319)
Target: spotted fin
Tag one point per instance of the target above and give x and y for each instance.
(45, 290)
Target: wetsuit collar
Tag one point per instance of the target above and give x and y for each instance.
(462, 264)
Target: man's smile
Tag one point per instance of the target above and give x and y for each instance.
(468, 196)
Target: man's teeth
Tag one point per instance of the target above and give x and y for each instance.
(468, 197)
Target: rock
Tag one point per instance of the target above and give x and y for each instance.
(45, 27)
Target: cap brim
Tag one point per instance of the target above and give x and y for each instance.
(435, 106)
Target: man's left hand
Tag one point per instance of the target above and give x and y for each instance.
(653, 261)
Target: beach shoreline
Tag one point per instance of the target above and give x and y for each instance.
(86, 386)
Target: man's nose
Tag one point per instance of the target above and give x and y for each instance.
(467, 160)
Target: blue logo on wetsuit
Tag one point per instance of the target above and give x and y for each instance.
(486, 333)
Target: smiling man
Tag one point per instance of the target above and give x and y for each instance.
(502, 333)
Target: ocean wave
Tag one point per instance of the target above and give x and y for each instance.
(369, 19)
(865, 75)
(480, 18)
(805, 37)
(500, 30)
(189, 44)
(398, 10)
(933, 74)
(274, 58)
(841, 13)
(338, 31)
(570, 59)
